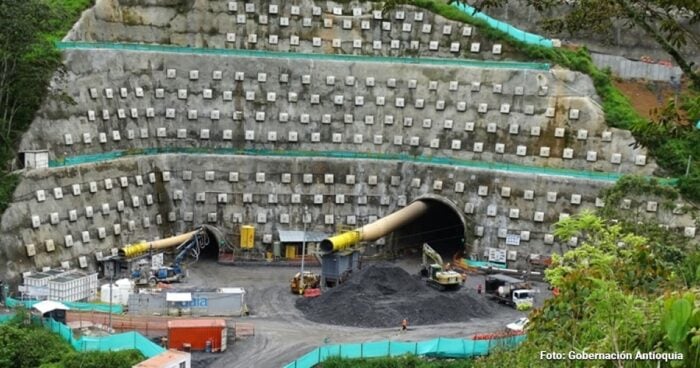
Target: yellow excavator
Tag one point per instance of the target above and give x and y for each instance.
(310, 281)
(439, 276)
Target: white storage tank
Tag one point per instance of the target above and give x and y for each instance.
(120, 292)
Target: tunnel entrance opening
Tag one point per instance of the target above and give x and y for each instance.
(442, 227)
(210, 252)
(215, 241)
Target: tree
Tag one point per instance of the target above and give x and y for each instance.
(25, 62)
(619, 292)
(667, 22)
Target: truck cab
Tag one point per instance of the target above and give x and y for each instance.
(523, 296)
(509, 290)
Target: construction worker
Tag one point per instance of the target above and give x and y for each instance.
(404, 325)
(478, 289)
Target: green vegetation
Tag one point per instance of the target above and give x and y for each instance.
(28, 59)
(25, 345)
(409, 361)
(630, 286)
(98, 359)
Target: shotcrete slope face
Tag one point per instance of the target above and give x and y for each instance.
(256, 138)
(382, 295)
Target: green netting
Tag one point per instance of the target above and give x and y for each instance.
(72, 45)
(85, 307)
(527, 37)
(440, 347)
(434, 160)
(4, 318)
(483, 264)
(123, 341)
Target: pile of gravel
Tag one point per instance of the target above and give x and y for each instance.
(382, 295)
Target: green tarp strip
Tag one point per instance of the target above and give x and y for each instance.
(527, 37)
(434, 160)
(85, 307)
(72, 45)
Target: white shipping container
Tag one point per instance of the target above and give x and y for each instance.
(73, 287)
(40, 279)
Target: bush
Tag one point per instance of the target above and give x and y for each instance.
(98, 359)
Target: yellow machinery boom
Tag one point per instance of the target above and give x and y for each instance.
(428, 251)
(375, 230)
(133, 250)
(439, 276)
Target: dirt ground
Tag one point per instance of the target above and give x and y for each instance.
(645, 95)
(282, 334)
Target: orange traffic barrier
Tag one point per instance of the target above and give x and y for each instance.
(497, 335)
(312, 293)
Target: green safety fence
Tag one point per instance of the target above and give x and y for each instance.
(4, 318)
(78, 45)
(482, 264)
(84, 307)
(434, 160)
(122, 341)
(440, 347)
(527, 37)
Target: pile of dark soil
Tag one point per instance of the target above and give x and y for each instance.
(382, 295)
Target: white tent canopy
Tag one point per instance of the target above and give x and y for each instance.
(48, 306)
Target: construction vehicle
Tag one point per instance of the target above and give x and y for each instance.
(310, 281)
(147, 275)
(151, 276)
(509, 290)
(439, 276)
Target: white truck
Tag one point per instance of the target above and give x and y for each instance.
(509, 290)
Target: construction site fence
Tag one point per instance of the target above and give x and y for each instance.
(434, 160)
(122, 341)
(4, 318)
(440, 347)
(526, 37)
(150, 326)
(77, 45)
(481, 264)
(86, 307)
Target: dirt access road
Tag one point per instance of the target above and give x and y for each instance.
(282, 334)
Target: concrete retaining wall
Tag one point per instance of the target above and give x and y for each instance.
(300, 26)
(270, 193)
(170, 100)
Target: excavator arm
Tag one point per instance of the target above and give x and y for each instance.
(429, 252)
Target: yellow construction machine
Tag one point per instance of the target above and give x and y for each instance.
(439, 276)
(310, 281)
